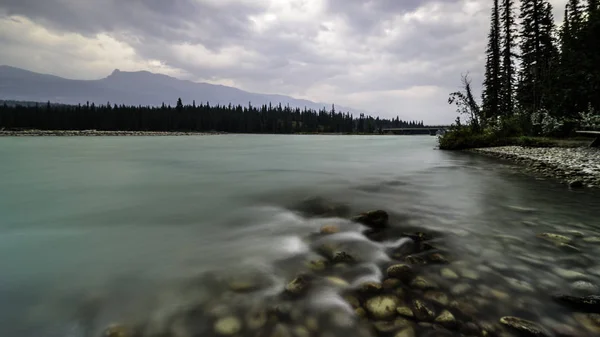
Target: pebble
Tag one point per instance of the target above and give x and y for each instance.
(228, 326)
(448, 274)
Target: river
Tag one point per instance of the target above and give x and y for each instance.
(96, 230)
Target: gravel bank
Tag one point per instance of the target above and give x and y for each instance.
(30, 133)
(577, 167)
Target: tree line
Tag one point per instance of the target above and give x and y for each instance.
(201, 117)
(540, 78)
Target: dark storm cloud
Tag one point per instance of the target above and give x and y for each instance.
(210, 23)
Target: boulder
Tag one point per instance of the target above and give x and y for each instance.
(373, 219)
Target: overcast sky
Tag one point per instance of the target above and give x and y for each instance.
(389, 57)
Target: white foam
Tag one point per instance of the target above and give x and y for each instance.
(328, 299)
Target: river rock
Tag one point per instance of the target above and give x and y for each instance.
(256, 319)
(116, 330)
(373, 219)
(228, 326)
(317, 265)
(298, 286)
(391, 283)
(400, 271)
(415, 260)
(337, 282)
(281, 330)
(576, 184)
(437, 258)
(382, 307)
(568, 274)
(342, 257)
(389, 326)
(584, 287)
(590, 322)
(437, 297)
(592, 239)
(449, 274)
(404, 310)
(408, 332)
(370, 288)
(360, 312)
(555, 238)
(446, 319)
(589, 303)
(423, 283)
(329, 229)
(423, 311)
(524, 327)
(460, 289)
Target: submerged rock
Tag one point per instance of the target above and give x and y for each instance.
(423, 311)
(408, 332)
(329, 229)
(524, 327)
(415, 260)
(584, 287)
(446, 319)
(228, 326)
(591, 322)
(555, 238)
(317, 265)
(116, 330)
(370, 287)
(298, 286)
(373, 219)
(589, 303)
(437, 258)
(406, 311)
(448, 273)
(400, 271)
(437, 297)
(382, 307)
(256, 319)
(342, 257)
(422, 283)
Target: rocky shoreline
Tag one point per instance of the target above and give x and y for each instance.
(420, 289)
(577, 167)
(91, 133)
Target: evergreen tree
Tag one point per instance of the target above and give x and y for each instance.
(492, 81)
(507, 23)
(538, 55)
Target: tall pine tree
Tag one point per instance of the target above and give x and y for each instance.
(492, 84)
(507, 23)
(538, 56)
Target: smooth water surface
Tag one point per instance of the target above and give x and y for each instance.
(114, 221)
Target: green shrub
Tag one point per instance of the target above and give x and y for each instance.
(465, 138)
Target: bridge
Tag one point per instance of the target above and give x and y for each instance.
(415, 131)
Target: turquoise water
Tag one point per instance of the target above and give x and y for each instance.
(115, 220)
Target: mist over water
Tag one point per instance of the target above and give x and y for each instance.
(95, 230)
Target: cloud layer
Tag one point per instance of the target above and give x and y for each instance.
(389, 57)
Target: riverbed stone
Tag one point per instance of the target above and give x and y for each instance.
(415, 260)
(256, 319)
(317, 265)
(423, 283)
(555, 238)
(423, 311)
(337, 281)
(448, 273)
(399, 271)
(298, 286)
(446, 319)
(342, 257)
(589, 303)
(437, 258)
(592, 239)
(584, 287)
(460, 289)
(382, 307)
(116, 330)
(568, 274)
(228, 326)
(437, 297)
(525, 327)
(407, 332)
(370, 287)
(404, 310)
(391, 283)
(373, 219)
(591, 322)
(329, 229)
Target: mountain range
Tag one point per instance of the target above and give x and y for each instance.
(134, 88)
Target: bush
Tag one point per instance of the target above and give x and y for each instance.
(465, 138)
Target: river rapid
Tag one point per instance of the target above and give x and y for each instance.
(202, 235)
